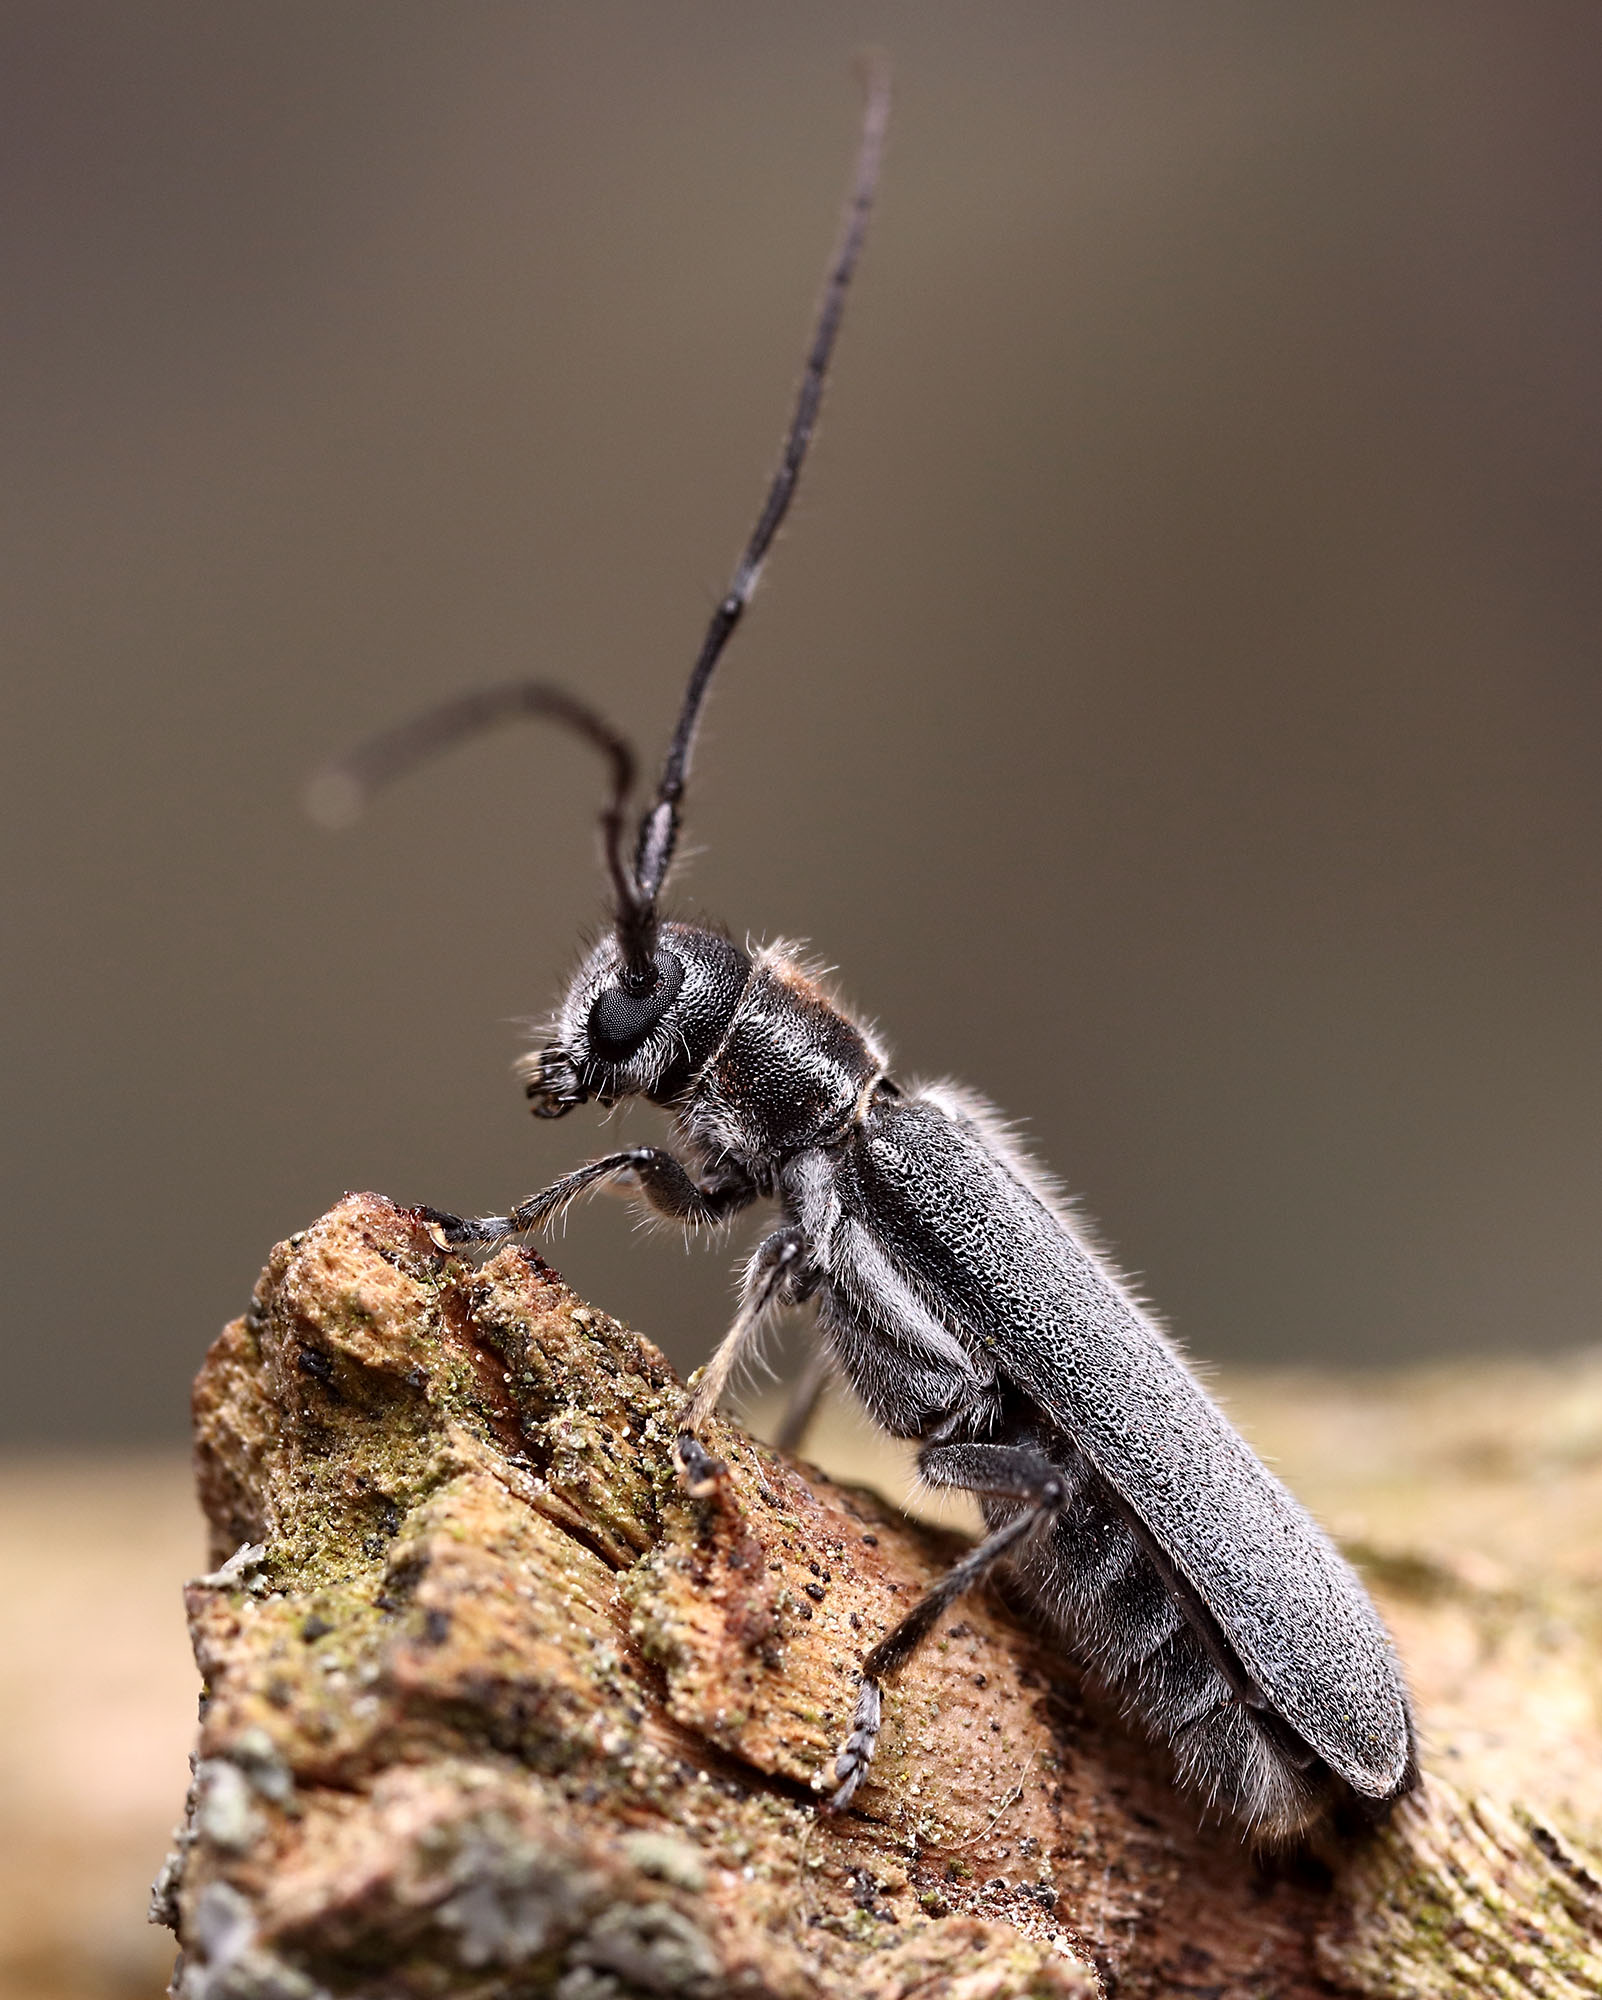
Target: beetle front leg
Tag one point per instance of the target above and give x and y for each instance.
(776, 1269)
(1009, 1470)
(664, 1181)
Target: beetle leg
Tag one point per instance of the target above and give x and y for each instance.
(775, 1265)
(979, 1468)
(804, 1399)
(664, 1181)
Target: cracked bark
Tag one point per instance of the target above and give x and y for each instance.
(493, 1709)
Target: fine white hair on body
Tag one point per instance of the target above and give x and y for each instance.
(1002, 1137)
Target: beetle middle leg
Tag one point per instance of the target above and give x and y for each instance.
(777, 1270)
(816, 1374)
(1000, 1469)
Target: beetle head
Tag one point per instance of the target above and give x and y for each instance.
(618, 1035)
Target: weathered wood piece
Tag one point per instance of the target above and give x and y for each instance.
(493, 1709)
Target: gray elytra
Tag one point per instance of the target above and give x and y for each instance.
(953, 1289)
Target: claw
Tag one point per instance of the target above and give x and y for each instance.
(851, 1766)
(445, 1231)
(451, 1232)
(699, 1472)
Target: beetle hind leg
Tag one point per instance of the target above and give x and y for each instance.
(1010, 1471)
(856, 1753)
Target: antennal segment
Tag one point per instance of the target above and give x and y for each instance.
(659, 829)
(340, 791)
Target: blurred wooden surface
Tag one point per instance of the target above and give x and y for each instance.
(97, 1715)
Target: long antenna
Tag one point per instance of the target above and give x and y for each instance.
(340, 791)
(659, 828)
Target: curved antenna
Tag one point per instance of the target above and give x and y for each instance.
(659, 828)
(340, 791)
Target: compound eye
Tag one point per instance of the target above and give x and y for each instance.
(620, 1020)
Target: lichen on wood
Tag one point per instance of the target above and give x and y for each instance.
(494, 1709)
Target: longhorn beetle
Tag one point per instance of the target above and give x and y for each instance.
(953, 1288)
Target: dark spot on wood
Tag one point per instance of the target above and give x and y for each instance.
(313, 1362)
(1554, 1850)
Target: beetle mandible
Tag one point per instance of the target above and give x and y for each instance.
(953, 1288)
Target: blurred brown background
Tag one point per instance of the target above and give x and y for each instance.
(1175, 706)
